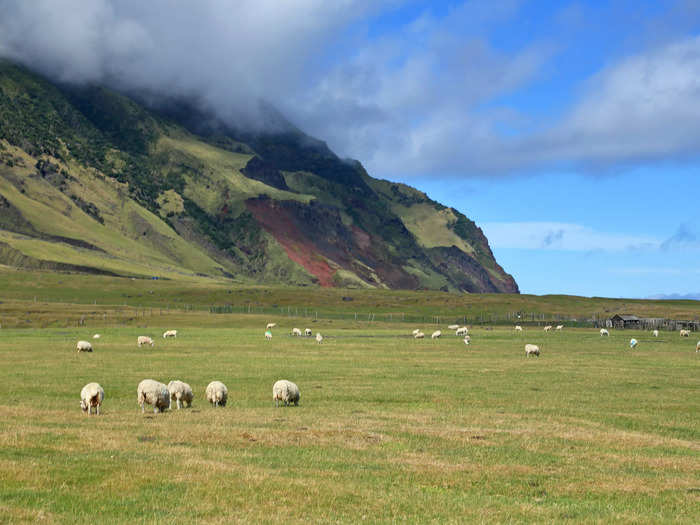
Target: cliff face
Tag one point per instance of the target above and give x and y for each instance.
(93, 180)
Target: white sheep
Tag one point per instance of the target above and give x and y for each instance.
(96, 336)
(418, 335)
(518, 328)
(685, 333)
(296, 332)
(655, 333)
(462, 331)
(467, 340)
(548, 328)
(415, 331)
(436, 334)
(453, 327)
(217, 393)
(180, 392)
(604, 332)
(319, 338)
(270, 325)
(697, 347)
(285, 391)
(633, 342)
(169, 333)
(268, 335)
(532, 350)
(144, 340)
(91, 395)
(307, 332)
(84, 346)
(153, 393)
(559, 327)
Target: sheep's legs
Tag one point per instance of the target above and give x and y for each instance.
(177, 402)
(97, 409)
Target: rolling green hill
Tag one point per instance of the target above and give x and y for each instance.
(93, 181)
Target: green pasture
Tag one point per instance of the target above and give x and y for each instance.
(389, 429)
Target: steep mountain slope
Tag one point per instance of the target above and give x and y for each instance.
(91, 180)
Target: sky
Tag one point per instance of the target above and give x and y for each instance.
(568, 130)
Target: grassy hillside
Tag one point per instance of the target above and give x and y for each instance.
(92, 180)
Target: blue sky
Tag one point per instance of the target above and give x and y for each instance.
(568, 130)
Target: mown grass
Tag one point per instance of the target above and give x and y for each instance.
(388, 428)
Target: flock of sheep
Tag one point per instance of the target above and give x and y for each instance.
(160, 396)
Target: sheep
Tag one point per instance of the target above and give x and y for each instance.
(604, 332)
(532, 350)
(181, 393)
(559, 327)
(307, 332)
(436, 334)
(285, 391)
(453, 327)
(84, 346)
(169, 333)
(467, 340)
(462, 331)
(697, 347)
(270, 325)
(419, 335)
(217, 393)
(633, 342)
(415, 331)
(319, 338)
(518, 328)
(144, 340)
(548, 328)
(268, 335)
(655, 333)
(91, 395)
(296, 332)
(153, 393)
(96, 336)
(685, 333)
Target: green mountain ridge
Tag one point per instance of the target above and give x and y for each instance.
(94, 181)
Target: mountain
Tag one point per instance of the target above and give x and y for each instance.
(676, 297)
(92, 180)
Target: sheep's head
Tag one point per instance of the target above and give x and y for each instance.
(83, 405)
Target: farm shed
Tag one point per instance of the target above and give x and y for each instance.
(625, 321)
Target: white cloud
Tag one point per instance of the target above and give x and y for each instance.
(562, 236)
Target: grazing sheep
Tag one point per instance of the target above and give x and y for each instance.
(559, 327)
(532, 350)
(144, 340)
(169, 333)
(415, 331)
(604, 332)
(518, 328)
(633, 343)
(285, 391)
(307, 332)
(453, 327)
(319, 338)
(270, 325)
(467, 340)
(217, 393)
(462, 331)
(548, 328)
(436, 334)
(153, 393)
(685, 333)
(655, 333)
(419, 335)
(181, 393)
(697, 347)
(84, 346)
(96, 336)
(296, 332)
(91, 395)
(268, 335)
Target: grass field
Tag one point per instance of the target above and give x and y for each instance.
(388, 429)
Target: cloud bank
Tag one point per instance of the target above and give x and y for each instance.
(431, 95)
